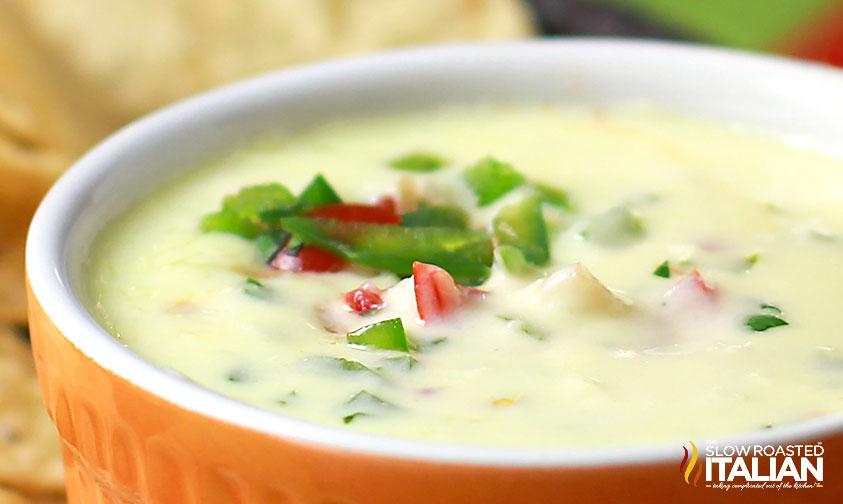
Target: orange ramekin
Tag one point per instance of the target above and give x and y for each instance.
(136, 433)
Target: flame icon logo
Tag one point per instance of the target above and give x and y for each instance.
(686, 469)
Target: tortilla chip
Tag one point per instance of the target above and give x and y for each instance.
(65, 80)
(25, 179)
(26, 175)
(43, 107)
(30, 460)
(10, 497)
(45, 119)
(44, 123)
(12, 291)
(146, 54)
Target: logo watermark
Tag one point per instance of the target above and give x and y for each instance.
(741, 467)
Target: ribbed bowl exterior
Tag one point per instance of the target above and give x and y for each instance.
(123, 445)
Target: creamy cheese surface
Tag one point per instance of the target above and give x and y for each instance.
(590, 349)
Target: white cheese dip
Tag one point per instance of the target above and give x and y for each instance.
(549, 357)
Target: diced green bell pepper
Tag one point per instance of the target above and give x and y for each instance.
(522, 226)
(514, 260)
(615, 227)
(366, 404)
(272, 218)
(552, 195)
(405, 362)
(490, 179)
(368, 400)
(422, 162)
(251, 201)
(386, 335)
(318, 192)
(270, 243)
(435, 215)
(340, 364)
(465, 253)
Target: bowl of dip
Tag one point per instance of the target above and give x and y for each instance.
(521, 272)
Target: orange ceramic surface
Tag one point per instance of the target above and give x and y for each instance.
(122, 444)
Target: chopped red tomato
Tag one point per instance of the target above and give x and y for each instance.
(472, 292)
(311, 258)
(437, 295)
(353, 212)
(690, 291)
(364, 299)
(388, 203)
(307, 258)
(696, 279)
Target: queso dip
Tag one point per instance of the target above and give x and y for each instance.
(511, 274)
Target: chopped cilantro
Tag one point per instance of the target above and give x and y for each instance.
(663, 270)
(246, 213)
(289, 397)
(229, 222)
(523, 326)
(256, 289)
(349, 418)
(760, 323)
(238, 375)
(251, 201)
(771, 308)
(531, 330)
